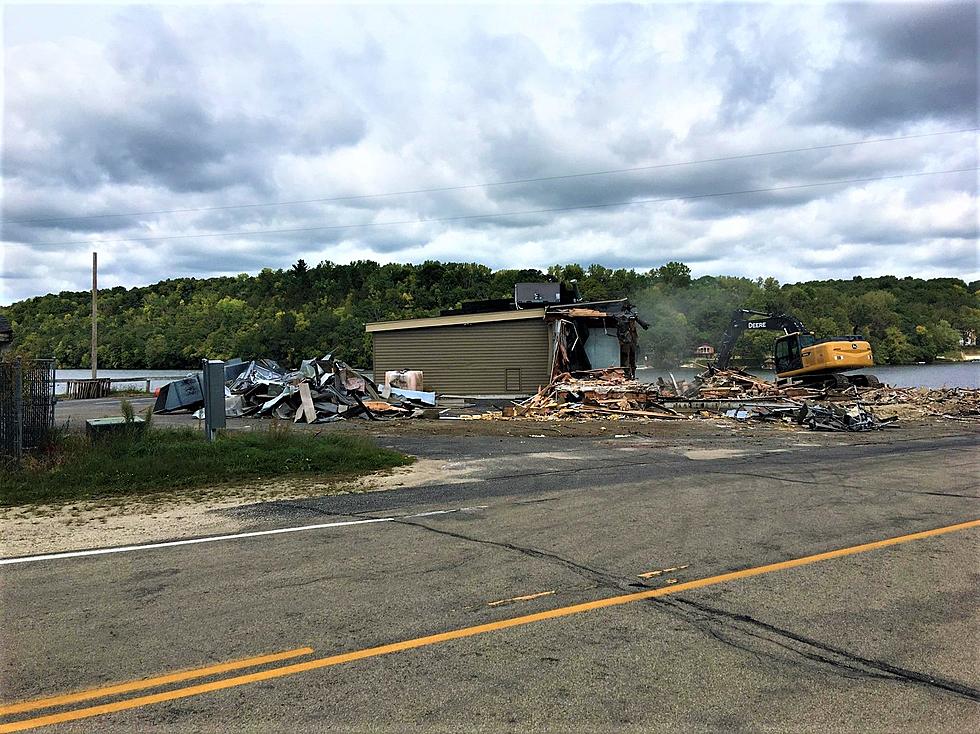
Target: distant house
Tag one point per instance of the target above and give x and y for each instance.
(705, 350)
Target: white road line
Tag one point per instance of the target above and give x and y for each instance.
(236, 536)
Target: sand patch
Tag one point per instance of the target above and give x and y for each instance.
(713, 454)
(35, 529)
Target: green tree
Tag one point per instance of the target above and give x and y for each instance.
(308, 311)
(674, 275)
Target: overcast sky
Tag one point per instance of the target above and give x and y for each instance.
(123, 109)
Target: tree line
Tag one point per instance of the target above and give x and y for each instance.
(303, 312)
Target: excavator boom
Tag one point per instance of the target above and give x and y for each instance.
(745, 320)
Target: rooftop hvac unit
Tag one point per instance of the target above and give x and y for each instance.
(537, 294)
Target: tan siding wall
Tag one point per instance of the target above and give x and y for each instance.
(468, 359)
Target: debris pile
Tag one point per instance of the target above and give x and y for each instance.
(950, 403)
(320, 391)
(609, 394)
(831, 417)
(817, 408)
(606, 393)
(736, 384)
(326, 390)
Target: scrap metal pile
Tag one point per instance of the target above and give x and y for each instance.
(320, 391)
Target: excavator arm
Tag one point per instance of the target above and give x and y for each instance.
(745, 320)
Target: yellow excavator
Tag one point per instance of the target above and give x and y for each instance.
(799, 356)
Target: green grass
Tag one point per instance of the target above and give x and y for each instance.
(153, 460)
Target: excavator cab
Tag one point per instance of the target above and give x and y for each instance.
(789, 351)
(803, 357)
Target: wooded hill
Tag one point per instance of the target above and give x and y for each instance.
(305, 312)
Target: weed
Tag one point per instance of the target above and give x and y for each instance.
(148, 459)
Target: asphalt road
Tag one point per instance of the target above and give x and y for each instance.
(864, 639)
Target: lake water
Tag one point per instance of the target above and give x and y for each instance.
(949, 374)
(157, 377)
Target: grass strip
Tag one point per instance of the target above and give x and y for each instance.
(145, 460)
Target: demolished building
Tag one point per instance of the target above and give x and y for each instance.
(509, 347)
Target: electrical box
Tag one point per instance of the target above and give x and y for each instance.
(214, 396)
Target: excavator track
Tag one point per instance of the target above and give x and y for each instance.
(834, 380)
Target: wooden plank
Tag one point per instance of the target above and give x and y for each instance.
(307, 402)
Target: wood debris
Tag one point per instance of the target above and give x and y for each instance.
(607, 394)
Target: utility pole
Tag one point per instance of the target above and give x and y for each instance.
(95, 315)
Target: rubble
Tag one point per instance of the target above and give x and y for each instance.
(950, 403)
(326, 390)
(833, 417)
(819, 409)
(595, 394)
(735, 394)
(320, 391)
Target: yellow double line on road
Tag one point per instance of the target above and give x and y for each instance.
(370, 652)
(144, 683)
(115, 689)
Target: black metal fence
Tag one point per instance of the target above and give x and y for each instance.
(26, 404)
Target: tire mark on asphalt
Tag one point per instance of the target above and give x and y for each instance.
(940, 494)
(845, 663)
(597, 576)
(790, 480)
(777, 478)
(842, 661)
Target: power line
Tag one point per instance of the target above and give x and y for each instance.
(465, 217)
(511, 182)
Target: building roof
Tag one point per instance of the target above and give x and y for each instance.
(458, 320)
(593, 309)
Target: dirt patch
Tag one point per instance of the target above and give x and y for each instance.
(35, 529)
(713, 454)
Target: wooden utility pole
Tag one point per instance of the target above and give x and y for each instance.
(95, 315)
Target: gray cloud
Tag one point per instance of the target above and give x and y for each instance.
(172, 108)
(912, 62)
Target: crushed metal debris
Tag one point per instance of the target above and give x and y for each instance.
(320, 391)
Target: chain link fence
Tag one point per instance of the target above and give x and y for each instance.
(26, 404)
